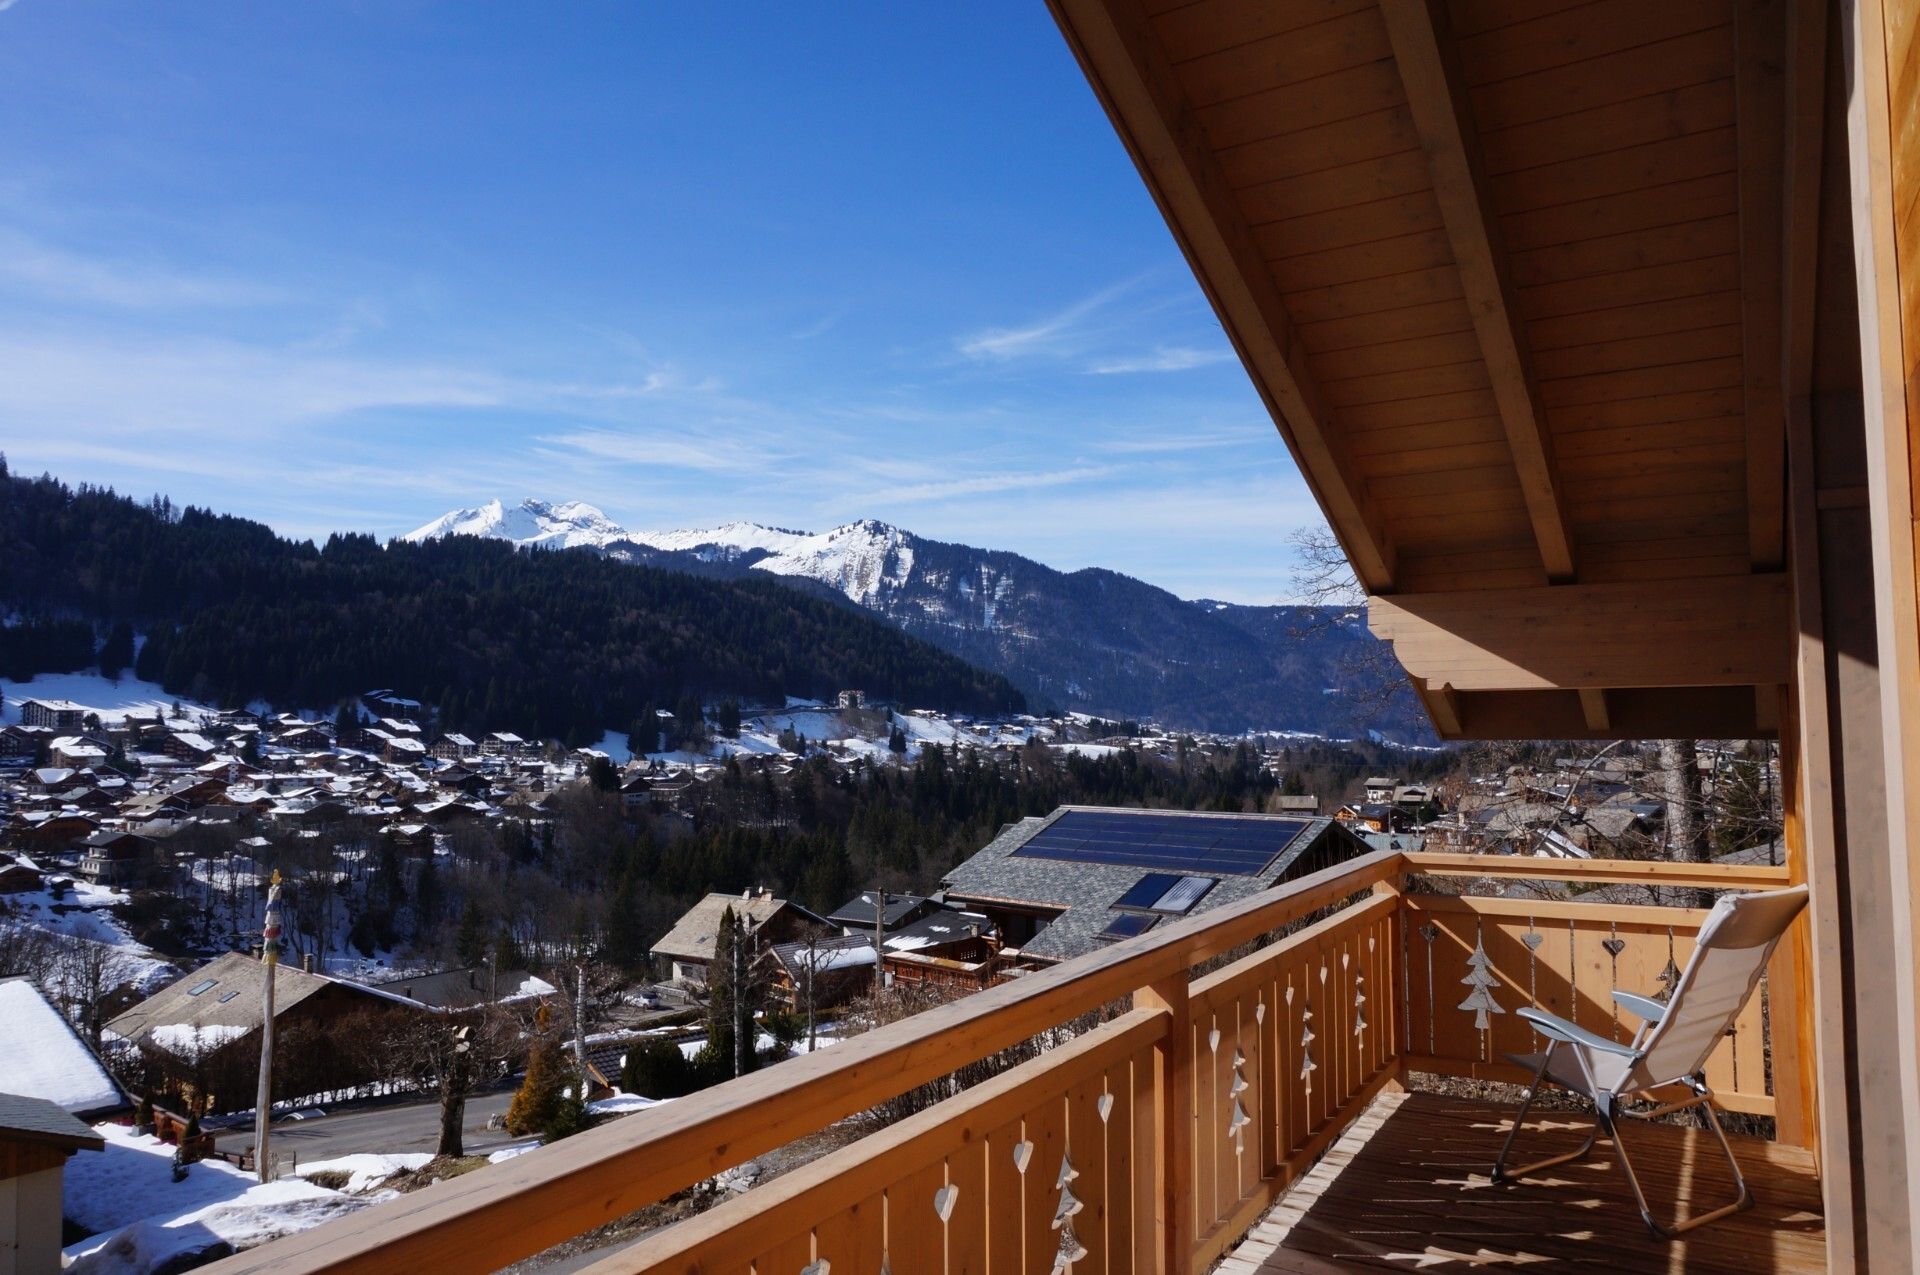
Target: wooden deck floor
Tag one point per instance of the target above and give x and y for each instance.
(1407, 1189)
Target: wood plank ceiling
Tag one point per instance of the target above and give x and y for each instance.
(1508, 274)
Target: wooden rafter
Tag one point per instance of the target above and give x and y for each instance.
(1124, 63)
(1718, 631)
(1436, 99)
(1759, 105)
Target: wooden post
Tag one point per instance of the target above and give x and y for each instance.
(1174, 1223)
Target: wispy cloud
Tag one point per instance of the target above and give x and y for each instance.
(988, 484)
(54, 272)
(708, 451)
(1167, 358)
(1047, 335)
(1175, 439)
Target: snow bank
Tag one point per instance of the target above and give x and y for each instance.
(622, 1104)
(365, 1171)
(144, 1219)
(517, 1149)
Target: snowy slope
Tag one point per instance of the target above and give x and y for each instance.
(531, 524)
(864, 560)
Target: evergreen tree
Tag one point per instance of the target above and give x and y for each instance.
(471, 941)
(116, 653)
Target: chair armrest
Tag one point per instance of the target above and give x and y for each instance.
(1560, 1029)
(1651, 1010)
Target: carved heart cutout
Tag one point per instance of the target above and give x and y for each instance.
(1429, 931)
(1260, 1012)
(1022, 1152)
(1213, 1039)
(821, 1267)
(1104, 1105)
(1615, 946)
(943, 1200)
(1532, 940)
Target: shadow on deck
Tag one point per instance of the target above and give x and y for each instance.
(1407, 1189)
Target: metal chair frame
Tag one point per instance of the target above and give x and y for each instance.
(1610, 1105)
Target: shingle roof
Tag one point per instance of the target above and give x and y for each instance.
(1085, 892)
(696, 934)
(37, 1120)
(859, 910)
(175, 1005)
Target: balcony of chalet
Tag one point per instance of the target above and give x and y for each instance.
(1288, 1083)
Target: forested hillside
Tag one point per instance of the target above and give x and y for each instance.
(564, 645)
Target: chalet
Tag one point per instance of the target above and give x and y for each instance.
(1294, 804)
(51, 832)
(19, 745)
(690, 945)
(78, 751)
(189, 746)
(890, 911)
(1061, 886)
(54, 714)
(20, 876)
(502, 743)
(202, 1031)
(303, 738)
(454, 747)
(945, 948)
(117, 858)
(822, 971)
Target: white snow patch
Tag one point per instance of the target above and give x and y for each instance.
(144, 1219)
(366, 1170)
(41, 1057)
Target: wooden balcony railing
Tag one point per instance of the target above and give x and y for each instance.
(1149, 1144)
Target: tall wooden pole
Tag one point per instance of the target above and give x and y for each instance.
(263, 1101)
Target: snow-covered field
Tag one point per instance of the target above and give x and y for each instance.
(143, 1219)
(83, 912)
(111, 699)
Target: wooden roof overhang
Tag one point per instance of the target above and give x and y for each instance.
(1511, 278)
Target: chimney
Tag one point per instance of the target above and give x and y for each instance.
(306, 962)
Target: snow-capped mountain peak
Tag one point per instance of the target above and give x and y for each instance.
(531, 524)
(861, 559)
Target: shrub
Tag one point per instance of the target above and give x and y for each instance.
(657, 1069)
(539, 1096)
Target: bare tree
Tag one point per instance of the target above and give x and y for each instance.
(1371, 678)
(446, 1054)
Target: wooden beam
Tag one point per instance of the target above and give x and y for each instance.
(1760, 110)
(1124, 63)
(1442, 705)
(1806, 92)
(1724, 631)
(1437, 99)
(1669, 712)
(1593, 706)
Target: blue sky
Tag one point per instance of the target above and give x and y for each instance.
(349, 265)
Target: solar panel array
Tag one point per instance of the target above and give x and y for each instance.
(1216, 845)
(1164, 892)
(1147, 891)
(1126, 925)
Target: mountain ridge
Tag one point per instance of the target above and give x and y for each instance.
(1092, 639)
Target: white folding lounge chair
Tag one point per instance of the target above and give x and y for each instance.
(1671, 1047)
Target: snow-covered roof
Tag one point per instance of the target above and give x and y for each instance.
(42, 1057)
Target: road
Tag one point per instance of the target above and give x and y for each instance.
(387, 1128)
